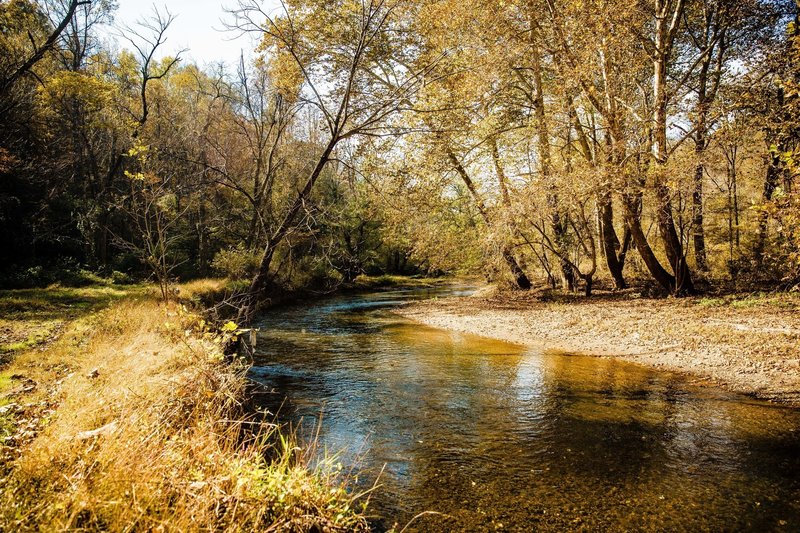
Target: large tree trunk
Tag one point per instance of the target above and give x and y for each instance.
(672, 242)
(255, 295)
(770, 184)
(520, 279)
(610, 241)
(613, 253)
(664, 278)
(698, 233)
(733, 203)
(558, 223)
(664, 32)
(705, 95)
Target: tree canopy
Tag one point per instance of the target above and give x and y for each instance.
(531, 141)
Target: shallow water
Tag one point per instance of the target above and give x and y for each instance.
(497, 437)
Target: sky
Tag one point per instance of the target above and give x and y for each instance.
(198, 27)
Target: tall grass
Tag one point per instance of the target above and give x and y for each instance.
(150, 432)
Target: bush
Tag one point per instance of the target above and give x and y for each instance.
(313, 274)
(120, 278)
(67, 273)
(236, 263)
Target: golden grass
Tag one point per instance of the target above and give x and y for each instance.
(147, 432)
(201, 287)
(29, 317)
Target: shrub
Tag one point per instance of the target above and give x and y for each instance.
(236, 263)
(120, 278)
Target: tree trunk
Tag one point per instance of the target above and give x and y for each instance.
(698, 233)
(770, 184)
(682, 280)
(520, 279)
(557, 222)
(705, 95)
(258, 286)
(672, 243)
(664, 278)
(610, 241)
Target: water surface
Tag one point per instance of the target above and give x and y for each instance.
(498, 437)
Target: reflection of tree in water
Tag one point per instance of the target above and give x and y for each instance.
(612, 453)
(482, 432)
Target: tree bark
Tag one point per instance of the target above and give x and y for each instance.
(557, 222)
(611, 244)
(258, 286)
(770, 184)
(664, 33)
(664, 278)
(698, 233)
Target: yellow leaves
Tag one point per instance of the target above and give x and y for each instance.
(139, 153)
(125, 68)
(229, 327)
(286, 74)
(137, 176)
(64, 88)
(138, 149)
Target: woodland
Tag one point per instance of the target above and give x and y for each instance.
(608, 166)
(528, 141)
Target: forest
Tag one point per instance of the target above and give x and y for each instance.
(543, 178)
(531, 142)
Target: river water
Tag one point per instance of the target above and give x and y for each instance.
(497, 437)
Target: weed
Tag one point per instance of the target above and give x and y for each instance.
(150, 432)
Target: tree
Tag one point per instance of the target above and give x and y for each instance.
(326, 54)
(17, 69)
(152, 203)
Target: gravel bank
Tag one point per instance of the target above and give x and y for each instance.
(748, 344)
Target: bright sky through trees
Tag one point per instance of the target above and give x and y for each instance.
(199, 27)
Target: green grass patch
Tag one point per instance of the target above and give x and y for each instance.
(7, 422)
(31, 317)
(27, 302)
(5, 384)
(753, 300)
(22, 335)
(712, 302)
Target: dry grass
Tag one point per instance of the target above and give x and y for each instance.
(141, 427)
(29, 317)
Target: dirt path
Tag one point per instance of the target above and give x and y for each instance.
(746, 344)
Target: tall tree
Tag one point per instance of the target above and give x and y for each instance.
(328, 53)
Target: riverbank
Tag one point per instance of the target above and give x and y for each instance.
(745, 343)
(119, 412)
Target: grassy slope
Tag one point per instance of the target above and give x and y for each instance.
(29, 317)
(130, 420)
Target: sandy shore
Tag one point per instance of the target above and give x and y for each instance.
(746, 344)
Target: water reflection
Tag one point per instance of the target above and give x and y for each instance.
(495, 436)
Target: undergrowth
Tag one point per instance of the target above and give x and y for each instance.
(147, 429)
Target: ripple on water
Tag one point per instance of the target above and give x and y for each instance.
(491, 433)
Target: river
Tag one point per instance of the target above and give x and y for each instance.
(497, 437)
